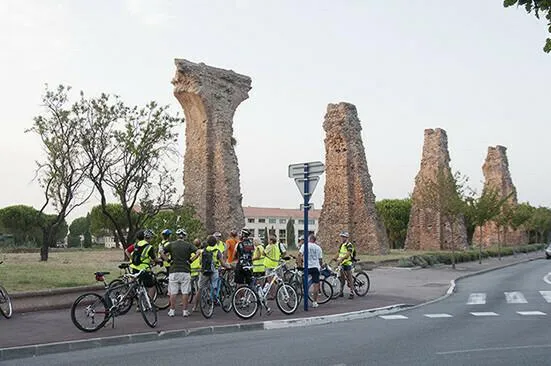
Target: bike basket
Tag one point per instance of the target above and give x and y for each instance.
(100, 277)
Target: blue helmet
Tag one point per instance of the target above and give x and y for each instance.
(166, 232)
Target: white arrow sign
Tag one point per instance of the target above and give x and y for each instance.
(547, 278)
(312, 183)
(315, 168)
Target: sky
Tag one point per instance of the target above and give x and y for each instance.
(470, 67)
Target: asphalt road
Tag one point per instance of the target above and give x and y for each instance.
(498, 318)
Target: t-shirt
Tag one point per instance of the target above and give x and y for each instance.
(314, 255)
(181, 252)
(231, 243)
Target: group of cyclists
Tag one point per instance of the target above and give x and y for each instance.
(196, 265)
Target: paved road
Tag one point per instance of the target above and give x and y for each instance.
(498, 318)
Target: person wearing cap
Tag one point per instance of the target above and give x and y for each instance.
(220, 244)
(344, 259)
(164, 241)
(300, 242)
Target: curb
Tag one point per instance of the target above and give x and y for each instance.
(60, 347)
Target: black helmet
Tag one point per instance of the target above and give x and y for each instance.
(245, 233)
(140, 235)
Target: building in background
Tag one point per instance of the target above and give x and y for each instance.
(258, 219)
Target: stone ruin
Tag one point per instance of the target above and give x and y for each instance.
(209, 97)
(349, 202)
(497, 177)
(427, 230)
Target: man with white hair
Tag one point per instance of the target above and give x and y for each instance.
(315, 260)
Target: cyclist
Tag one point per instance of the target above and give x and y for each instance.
(220, 244)
(195, 272)
(244, 256)
(166, 235)
(258, 259)
(273, 253)
(315, 260)
(143, 257)
(231, 244)
(209, 271)
(344, 259)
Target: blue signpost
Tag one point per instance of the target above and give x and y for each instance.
(306, 176)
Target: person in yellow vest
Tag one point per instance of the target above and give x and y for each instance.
(272, 255)
(166, 235)
(258, 259)
(221, 245)
(195, 272)
(143, 257)
(344, 259)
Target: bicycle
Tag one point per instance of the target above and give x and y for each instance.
(5, 302)
(246, 300)
(110, 304)
(296, 279)
(209, 299)
(361, 280)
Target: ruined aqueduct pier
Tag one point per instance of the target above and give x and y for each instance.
(209, 97)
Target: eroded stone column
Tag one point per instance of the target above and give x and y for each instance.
(427, 230)
(209, 97)
(498, 178)
(349, 202)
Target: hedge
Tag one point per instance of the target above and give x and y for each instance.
(430, 259)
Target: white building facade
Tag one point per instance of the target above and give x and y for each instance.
(258, 219)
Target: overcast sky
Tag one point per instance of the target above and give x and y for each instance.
(470, 67)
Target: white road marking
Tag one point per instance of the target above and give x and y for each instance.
(393, 317)
(485, 313)
(547, 278)
(477, 299)
(546, 295)
(438, 315)
(495, 349)
(530, 313)
(515, 297)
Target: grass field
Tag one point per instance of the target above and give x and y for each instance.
(24, 271)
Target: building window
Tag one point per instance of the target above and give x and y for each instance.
(282, 221)
(300, 233)
(282, 234)
(301, 222)
(250, 221)
(311, 222)
(261, 233)
(261, 221)
(272, 221)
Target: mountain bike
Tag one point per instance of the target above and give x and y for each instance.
(361, 280)
(296, 277)
(209, 299)
(5, 302)
(97, 310)
(246, 300)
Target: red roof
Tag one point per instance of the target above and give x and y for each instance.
(279, 212)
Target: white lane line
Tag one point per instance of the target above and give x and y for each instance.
(485, 313)
(438, 315)
(477, 299)
(495, 349)
(515, 297)
(546, 295)
(530, 313)
(393, 317)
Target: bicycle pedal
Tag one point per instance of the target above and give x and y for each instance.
(268, 311)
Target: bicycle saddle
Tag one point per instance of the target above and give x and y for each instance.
(100, 274)
(124, 265)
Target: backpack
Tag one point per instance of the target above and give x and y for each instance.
(247, 250)
(207, 261)
(353, 252)
(137, 253)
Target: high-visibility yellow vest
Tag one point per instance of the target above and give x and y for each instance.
(272, 256)
(343, 251)
(161, 248)
(145, 259)
(258, 264)
(214, 249)
(196, 266)
(221, 247)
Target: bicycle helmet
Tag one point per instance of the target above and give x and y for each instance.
(217, 235)
(148, 234)
(140, 235)
(245, 233)
(167, 232)
(344, 234)
(181, 233)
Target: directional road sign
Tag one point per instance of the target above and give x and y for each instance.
(315, 168)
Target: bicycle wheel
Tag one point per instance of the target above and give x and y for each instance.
(116, 289)
(93, 310)
(5, 303)
(245, 302)
(361, 283)
(299, 288)
(147, 308)
(193, 292)
(287, 299)
(325, 292)
(226, 296)
(162, 300)
(205, 302)
(335, 283)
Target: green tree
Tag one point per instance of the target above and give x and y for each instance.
(395, 216)
(101, 224)
(62, 174)
(23, 223)
(127, 148)
(537, 7)
(540, 221)
(290, 232)
(80, 227)
(178, 217)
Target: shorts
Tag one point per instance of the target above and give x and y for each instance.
(347, 267)
(179, 281)
(315, 273)
(243, 276)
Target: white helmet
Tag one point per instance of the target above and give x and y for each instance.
(181, 233)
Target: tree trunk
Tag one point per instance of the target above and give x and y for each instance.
(45, 248)
(480, 247)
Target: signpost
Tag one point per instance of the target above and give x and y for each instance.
(306, 177)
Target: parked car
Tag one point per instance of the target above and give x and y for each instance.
(548, 252)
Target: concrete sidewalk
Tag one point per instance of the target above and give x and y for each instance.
(389, 286)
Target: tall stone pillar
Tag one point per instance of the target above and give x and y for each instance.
(349, 202)
(427, 230)
(209, 97)
(498, 178)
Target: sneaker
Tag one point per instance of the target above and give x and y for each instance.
(171, 312)
(341, 294)
(314, 304)
(185, 313)
(351, 296)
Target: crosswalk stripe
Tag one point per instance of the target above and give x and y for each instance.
(438, 315)
(393, 317)
(477, 299)
(546, 295)
(485, 313)
(530, 313)
(515, 297)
